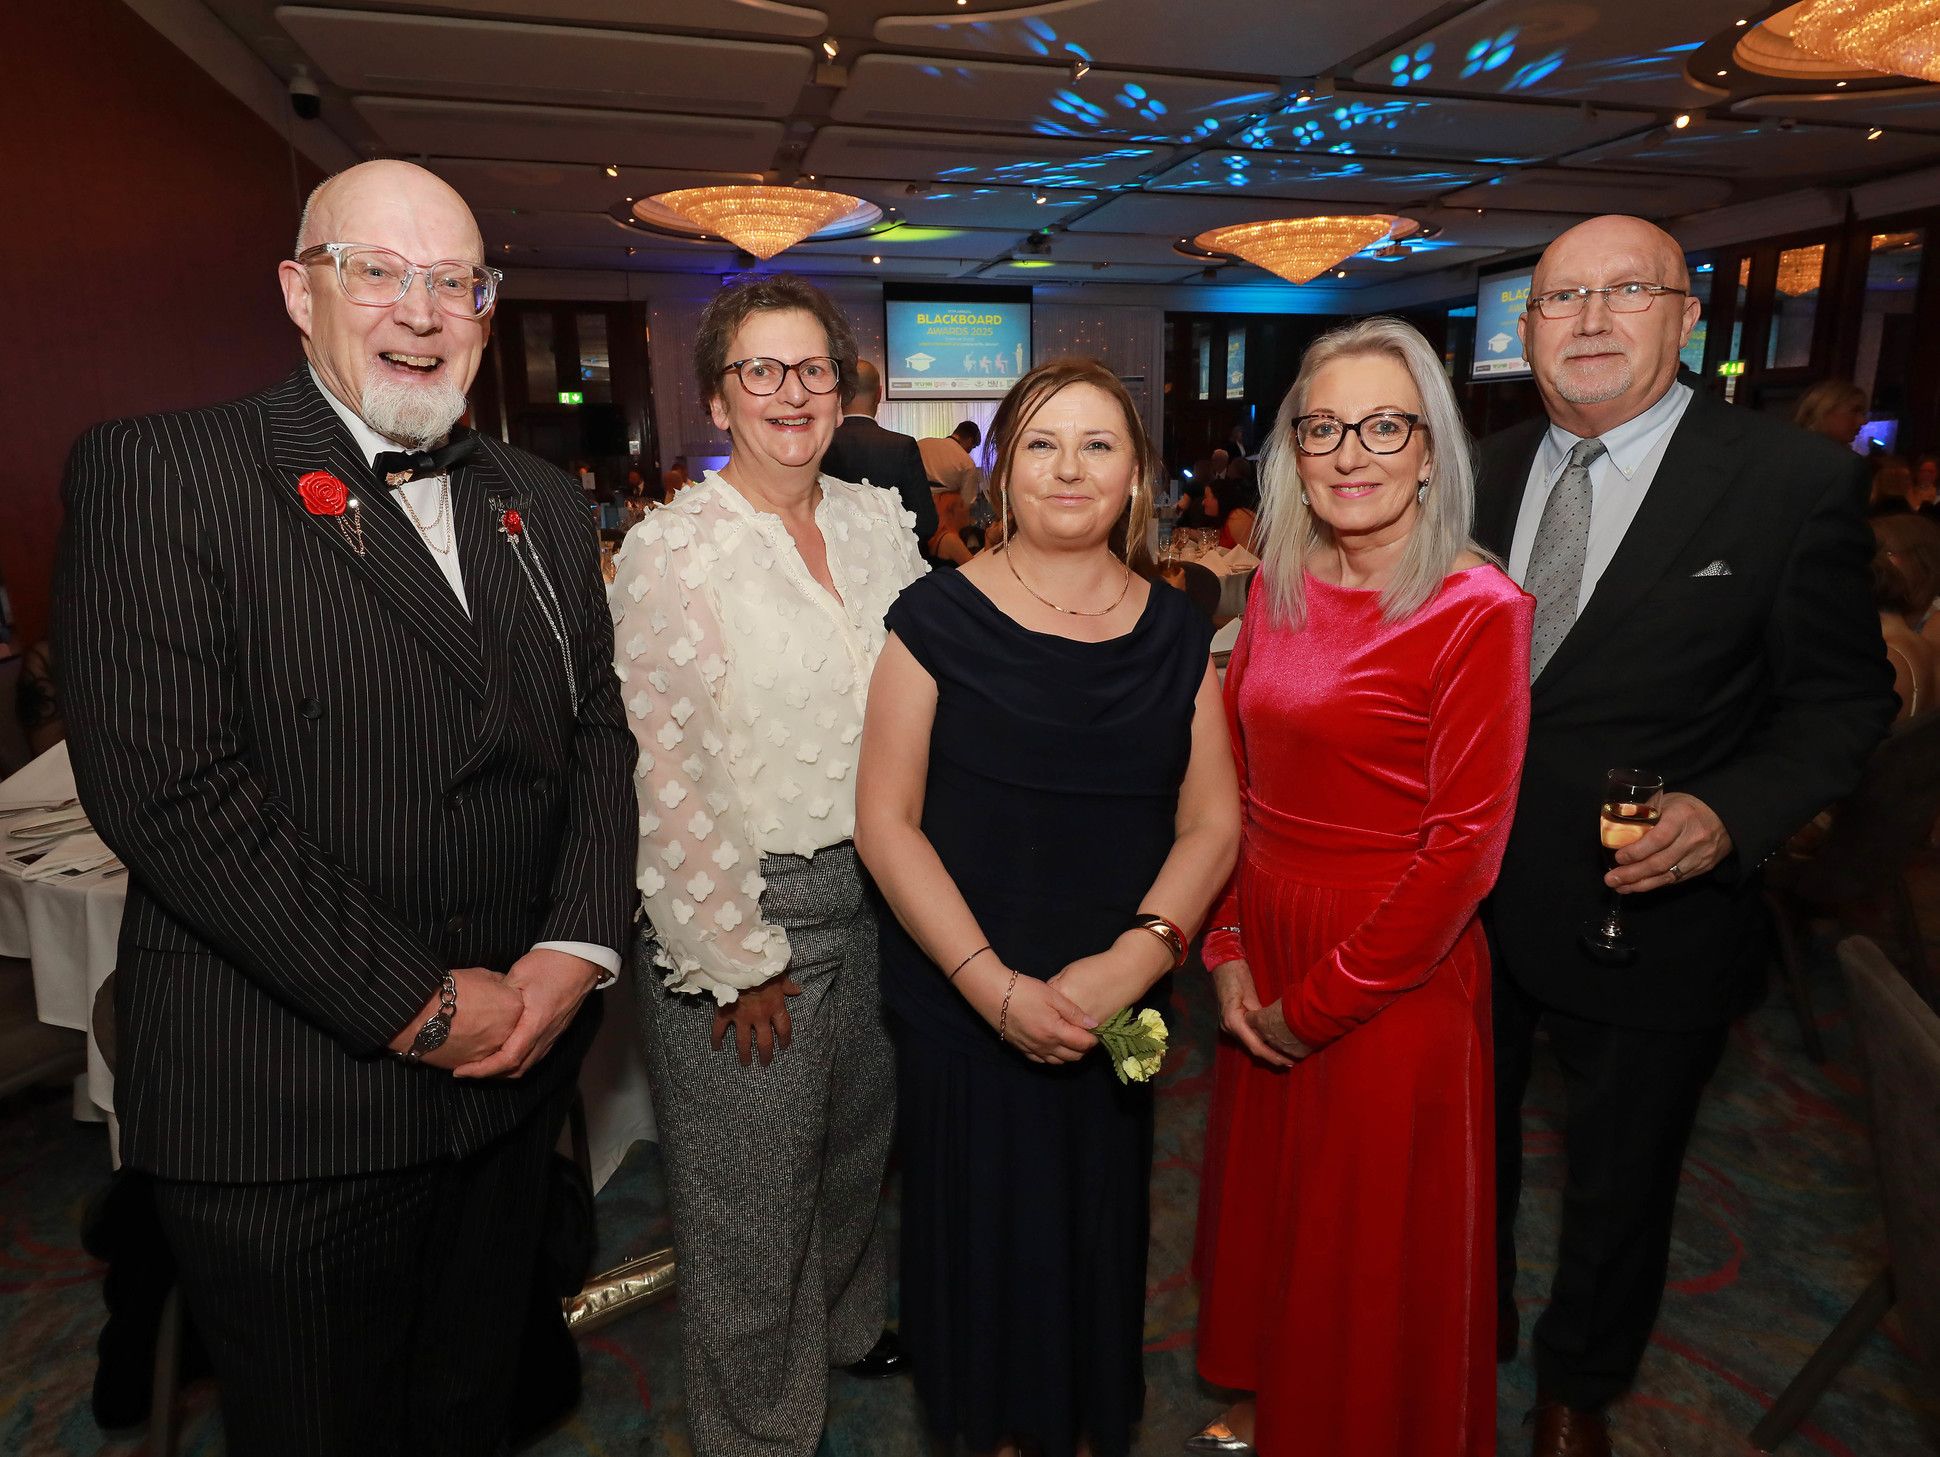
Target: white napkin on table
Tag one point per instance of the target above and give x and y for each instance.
(75, 855)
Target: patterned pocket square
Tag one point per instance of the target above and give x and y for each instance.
(1718, 568)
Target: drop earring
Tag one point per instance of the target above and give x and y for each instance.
(1303, 499)
(1421, 493)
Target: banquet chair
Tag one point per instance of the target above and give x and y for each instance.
(1899, 1035)
(1201, 586)
(1875, 834)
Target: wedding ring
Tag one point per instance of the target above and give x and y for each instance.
(1677, 872)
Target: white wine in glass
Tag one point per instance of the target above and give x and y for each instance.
(1633, 801)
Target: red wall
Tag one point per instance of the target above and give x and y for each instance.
(146, 210)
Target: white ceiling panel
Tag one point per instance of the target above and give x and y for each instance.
(1916, 108)
(917, 242)
(1319, 176)
(556, 187)
(429, 55)
(853, 151)
(572, 229)
(970, 95)
(1038, 270)
(1496, 227)
(1751, 149)
(1628, 54)
(957, 206)
(1256, 37)
(1154, 251)
(732, 17)
(1559, 189)
(1378, 125)
(569, 134)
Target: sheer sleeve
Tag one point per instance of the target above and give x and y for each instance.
(698, 865)
(1478, 728)
(1225, 939)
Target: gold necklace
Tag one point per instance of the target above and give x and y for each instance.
(1125, 587)
(443, 514)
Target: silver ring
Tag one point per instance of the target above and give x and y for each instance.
(1677, 872)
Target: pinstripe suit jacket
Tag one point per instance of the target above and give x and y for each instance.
(329, 784)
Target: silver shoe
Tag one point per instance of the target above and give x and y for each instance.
(1217, 1437)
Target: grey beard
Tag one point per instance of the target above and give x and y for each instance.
(1595, 394)
(414, 415)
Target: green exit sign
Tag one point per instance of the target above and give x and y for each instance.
(1731, 368)
(572, 397)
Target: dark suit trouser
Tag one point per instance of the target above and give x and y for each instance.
(1630, 1098)
(373, 1313)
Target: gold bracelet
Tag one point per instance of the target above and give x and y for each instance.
(1003, 1015)
(967, 960)
(1167, 931)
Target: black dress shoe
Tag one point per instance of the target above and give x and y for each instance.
(885, 1358)
(1508, 1335)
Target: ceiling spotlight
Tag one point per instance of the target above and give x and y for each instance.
(1744, 22)
(1838, 85)
(875, 257)
(1080, 68)
(505, 247)
(1681, 120)
(1040, 198)
(612, 169)
(631, 251)
(1723, 74)
(1875, 134)
(1304, 95)
(1340, 273)
(830, 48)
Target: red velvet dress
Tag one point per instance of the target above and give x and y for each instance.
(1346, 1222)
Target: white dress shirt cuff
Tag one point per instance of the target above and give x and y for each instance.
(606, 960)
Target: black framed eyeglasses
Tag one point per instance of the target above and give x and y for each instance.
(1382, 433)
(761, 376)
(377, 278)
(1623, 298)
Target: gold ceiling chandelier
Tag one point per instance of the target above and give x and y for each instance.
(1800, 269)
(763, 220)
(1900, 37)
(1301, 249)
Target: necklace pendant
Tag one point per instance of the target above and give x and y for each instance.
(397, 478)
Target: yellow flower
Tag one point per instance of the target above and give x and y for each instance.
(1133, 1070)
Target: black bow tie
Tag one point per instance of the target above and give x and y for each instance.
(398, 466)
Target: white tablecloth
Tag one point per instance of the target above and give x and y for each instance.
(68, 928)
(1235, 572)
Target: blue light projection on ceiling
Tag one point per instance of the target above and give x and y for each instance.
(1047, 172)
(1415, 65)
(1238, 172)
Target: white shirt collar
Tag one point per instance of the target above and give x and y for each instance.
(368, 440)
(1628, 445)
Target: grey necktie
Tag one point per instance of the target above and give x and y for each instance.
(1555, 574)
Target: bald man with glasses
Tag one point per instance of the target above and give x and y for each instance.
(339, 691)
(1702, 613)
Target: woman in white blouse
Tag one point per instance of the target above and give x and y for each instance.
(749, 613)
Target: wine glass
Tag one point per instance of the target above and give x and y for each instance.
(1633, 800)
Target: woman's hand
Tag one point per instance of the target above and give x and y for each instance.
(1270, 1024)
(1113, 979)
(759, 1019)
(1043, 1023)
(1239, 1003)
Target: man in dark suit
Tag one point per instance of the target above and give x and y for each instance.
(865, 452)
(352, 722)
(1702, 612)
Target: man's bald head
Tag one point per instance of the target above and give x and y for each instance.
(336, 204)
(1599, 367)
(862, 391)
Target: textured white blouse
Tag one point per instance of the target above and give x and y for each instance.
(745, 683)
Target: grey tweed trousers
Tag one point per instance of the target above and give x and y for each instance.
(775, 1174)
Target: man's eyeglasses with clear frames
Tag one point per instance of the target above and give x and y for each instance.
(1622, 298)
(377, 278)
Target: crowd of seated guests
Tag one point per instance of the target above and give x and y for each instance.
(1906, 582)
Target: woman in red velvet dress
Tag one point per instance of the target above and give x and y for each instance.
(1379, 703)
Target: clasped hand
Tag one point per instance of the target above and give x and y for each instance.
(1687, 834)
(542, 992)
(1262, 1031)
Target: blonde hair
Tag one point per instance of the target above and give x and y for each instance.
(1818, 404)
(1289, 531)
(1032, 393)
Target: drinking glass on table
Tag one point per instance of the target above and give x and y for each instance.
(1633, 801)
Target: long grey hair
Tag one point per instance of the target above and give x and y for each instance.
(1290, 531)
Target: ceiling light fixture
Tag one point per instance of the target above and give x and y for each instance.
(1897, 37)
(1800, 270)
(1723, 74)
(1080, 68)
(1040, 198)
(875, 257)
(1744, 22)
(830, 48)
(631, 250)
(1301, 249)
(612, 169)
(1876, 133)
(1681, 120)
(762, 220)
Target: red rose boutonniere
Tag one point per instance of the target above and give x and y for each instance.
(324, 495)
(510, 524)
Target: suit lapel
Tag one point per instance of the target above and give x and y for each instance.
(305, 434)
(493, 583)
(1695, 472)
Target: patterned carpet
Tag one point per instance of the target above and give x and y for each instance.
(1777, 1232)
